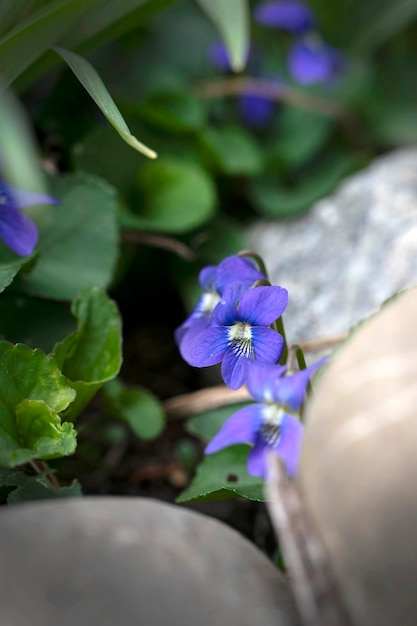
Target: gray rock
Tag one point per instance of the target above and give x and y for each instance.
(350, 253)
(110, 561)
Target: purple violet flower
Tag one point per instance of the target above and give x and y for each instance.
(310, 61)
(213, 279)
(272, 423)
(239, 331)
(291, 15)
(218, 56)
(256, 111)
(17, 230)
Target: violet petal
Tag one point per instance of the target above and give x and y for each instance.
(289, 444)
(263, 305)
(17, 231)
(239, 428)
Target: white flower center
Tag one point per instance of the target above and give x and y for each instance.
(271, 428)
(240, 337)
(209, 301)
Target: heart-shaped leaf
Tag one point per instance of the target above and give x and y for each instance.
(92, 354)
(32, 393)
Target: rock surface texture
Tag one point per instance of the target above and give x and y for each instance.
(111, 561)
(350, 253)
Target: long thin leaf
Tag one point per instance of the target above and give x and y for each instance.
(92, 82)
(103, 21)
(29, 40)
(108, 19)
(20, 161)
(10, 12)
(380, 21)
(231, 18)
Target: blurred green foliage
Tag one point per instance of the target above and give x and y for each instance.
(146, 66)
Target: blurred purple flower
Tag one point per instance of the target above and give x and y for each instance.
(256, 111)
(240, 331)
(218, 56)
(272, 423)
(310, 61)
(17, 230)
(294, 16)
(213, 280)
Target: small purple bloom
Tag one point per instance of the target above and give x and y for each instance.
(240, 331)
(213, 280)
(272, 423)
(291, 15)
(256, 111)
(219, 57)
(17, 230)
(312, 61)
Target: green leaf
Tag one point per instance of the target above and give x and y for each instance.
(231, 18)
(108, 19)
(19, 160)
(33, 392)
(222, 237)
(78, 247)
(36, 322)
(174, 111)
(224, 475)
(206, 425)
(177, 197)
(136, 406)
(41, 429)
(379, 20)
(394, 123)
(10, 14)
(36, 487)
(92, 82)
(20, 48)
(103, 21)
(101, 152)
(273, 199)
(300, 136)
(362, 27)
(392, 115)
(233, 151)
(8, 271)
(92, 354)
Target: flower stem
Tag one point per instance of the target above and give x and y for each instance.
(41, 466)
(257, 258)
(295, 352)
(235, 86)
(278, 325)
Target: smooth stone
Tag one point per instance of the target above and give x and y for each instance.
(354, 249)
(109, 561)
(359, 467)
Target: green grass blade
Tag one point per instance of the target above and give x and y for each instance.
(231, 18)
(26, 43)
(110, 19)
(92, 82)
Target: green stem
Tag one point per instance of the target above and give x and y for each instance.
(40, 466)
(279, 327)
(300, 358)
(257, 258)
(295, 352)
